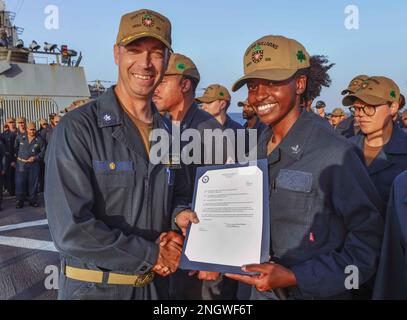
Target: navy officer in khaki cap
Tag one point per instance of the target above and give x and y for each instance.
(176, 95)
(349, 126)
(216, 101)
(384, 145)
(30, 152)
(318, 226)
(337, 116)
(109, 206)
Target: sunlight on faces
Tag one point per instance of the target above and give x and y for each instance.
(169, 92)
(337, 120)
(272, 101)
(378, 121)
(142, 64)
(21, 126)
(31, 132)
(11, 125)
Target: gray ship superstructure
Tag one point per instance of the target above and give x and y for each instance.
(36, 80)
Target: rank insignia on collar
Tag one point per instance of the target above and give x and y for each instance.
(295, 149)
(107, 118)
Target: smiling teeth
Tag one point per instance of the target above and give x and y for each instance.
(266, 107)
(139, 76)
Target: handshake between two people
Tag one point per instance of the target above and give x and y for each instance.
(171, 248)
(267, 276)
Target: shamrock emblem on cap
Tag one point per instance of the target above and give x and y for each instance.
(221, 94)
(301, 56)
(257, 54)
(181, 66)
(147, 20)
(393, 94)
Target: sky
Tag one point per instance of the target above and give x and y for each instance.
(216, 33)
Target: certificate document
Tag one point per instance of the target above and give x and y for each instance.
(229, 202)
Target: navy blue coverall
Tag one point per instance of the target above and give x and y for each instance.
(106, 202)
(9, 139)
(391, 279)
(389, 163)
(324, 211)
(28, 174)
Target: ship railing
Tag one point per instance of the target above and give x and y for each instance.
(32, 108)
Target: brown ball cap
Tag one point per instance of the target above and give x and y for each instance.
(355, 84)
(375, 91)
(273, 58)
(338, 112)
(182, 65)
(144, 23)
(215, 92)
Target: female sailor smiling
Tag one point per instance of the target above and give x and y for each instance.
(324, 209)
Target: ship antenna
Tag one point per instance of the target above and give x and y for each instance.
(19, 8)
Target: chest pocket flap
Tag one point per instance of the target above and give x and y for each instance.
(114, 173)
(294, 180)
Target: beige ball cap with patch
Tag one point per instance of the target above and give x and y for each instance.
(355, 84)
(215, 92)
(182, 65)
(273, 58)
(375, 91)
(144, 23)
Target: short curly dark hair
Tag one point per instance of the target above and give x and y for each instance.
(317, 75)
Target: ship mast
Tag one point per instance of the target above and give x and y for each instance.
(8, 31)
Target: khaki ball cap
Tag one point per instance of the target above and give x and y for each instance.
(182, 65)
(215, 92)
(144, 23)
(375, 91)
(273, 58)
(355, 84)
(338, 112)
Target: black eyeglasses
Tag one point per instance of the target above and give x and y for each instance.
(370, 111)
